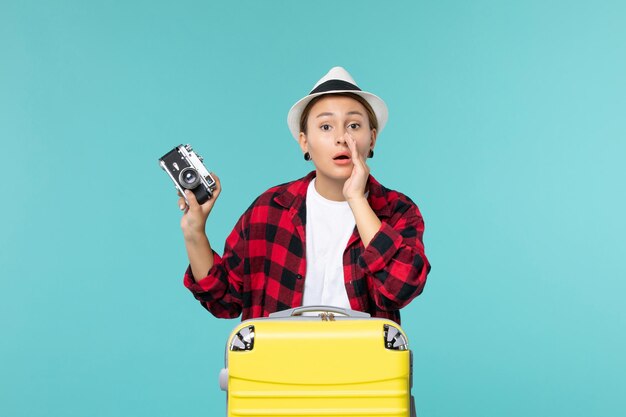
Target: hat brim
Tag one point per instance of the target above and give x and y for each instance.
(378, 106)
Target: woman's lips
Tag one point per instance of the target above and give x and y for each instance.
(342, 160)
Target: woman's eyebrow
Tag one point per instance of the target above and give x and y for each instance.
(332, 114)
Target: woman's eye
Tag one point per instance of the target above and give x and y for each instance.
(325, 127)
(354, 125)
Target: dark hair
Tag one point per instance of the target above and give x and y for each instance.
(304, 117)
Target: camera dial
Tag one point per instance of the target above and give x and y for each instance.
(189, 178)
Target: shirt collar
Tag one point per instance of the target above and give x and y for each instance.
(295, 192)
(294, 195)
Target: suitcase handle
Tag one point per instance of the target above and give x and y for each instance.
(297, 311)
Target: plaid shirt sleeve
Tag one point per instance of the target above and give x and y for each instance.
(394, 262)
(220, 291)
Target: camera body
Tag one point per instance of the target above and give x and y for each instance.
(188, 172)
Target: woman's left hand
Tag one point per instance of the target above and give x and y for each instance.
(354, 186)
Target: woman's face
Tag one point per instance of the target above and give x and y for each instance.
(330, 120)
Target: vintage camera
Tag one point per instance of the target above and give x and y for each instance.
(187, 171)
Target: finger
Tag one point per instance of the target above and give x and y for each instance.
(218, 185)
(350, 143)
(182, 204)
(191, 199)
(357, 159)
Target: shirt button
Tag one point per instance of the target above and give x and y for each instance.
(299, 276)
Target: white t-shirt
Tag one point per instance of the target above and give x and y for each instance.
(329, 225)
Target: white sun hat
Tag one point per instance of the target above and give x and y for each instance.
(337, 80)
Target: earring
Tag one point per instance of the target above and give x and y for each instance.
(371, 154)
(307, 156)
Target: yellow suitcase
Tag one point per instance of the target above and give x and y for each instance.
(331, 362)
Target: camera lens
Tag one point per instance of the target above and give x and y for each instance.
(189, 178)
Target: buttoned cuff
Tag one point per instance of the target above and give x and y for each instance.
(204, 284)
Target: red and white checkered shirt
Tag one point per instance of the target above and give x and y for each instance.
(263, 266)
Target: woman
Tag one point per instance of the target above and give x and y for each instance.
(335, 237)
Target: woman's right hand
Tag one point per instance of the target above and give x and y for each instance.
(195, 215)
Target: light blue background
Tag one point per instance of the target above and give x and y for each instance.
(507, 126)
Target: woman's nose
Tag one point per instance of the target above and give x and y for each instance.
(341, 138)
